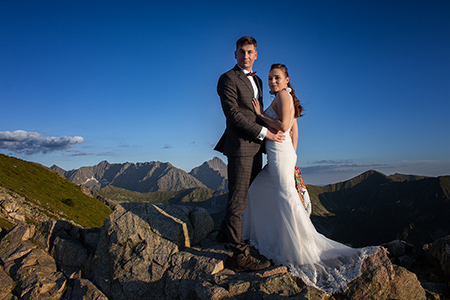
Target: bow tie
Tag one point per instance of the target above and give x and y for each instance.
(251, 74)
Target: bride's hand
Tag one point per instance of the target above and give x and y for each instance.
(257, 106)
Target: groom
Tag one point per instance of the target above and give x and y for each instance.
(242, 144)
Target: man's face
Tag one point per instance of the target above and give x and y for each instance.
(245, 56)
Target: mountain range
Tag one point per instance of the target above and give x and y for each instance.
(369, 209)
(149, 176)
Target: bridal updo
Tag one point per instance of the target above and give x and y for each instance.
(297, 106)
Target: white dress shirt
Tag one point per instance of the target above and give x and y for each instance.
(263, 132)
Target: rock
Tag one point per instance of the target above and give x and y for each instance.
(16, 245)
(441, 252)
(398, 248)
(16, 209)
(405, 286)
(83, 289)
(280, 284)
(206, 291)
(191, 267)
(90, 238)
(202, 224)
(31, 267)
(36, 275)
(238, 287)
(7, 284)
(17, 234)
(436, 290)
(406, 261)
(42, 286)
(69, 253)
(47, 231)
(15, 251)
(38, 261)
(136, 244)
(380, 279)
(147, 251)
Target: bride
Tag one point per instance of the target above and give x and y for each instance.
(275, 221)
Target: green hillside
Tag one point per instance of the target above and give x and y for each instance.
(47, 189)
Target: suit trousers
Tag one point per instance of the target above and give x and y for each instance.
(242, 170)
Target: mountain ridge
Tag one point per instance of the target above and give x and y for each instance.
(140, 177)
(373, 207)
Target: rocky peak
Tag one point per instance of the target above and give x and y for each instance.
(213, 174)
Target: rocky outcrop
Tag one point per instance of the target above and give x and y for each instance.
(147, 251)
(15, 209)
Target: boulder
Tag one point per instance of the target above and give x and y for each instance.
(89, 237)
(42, 286)
(16, 244)
(7, 285)
(398, 248)
(32, 268)
(381, 280)
(47, 231)
(83, 289)
(69, 253)
(136, 246)
(192, 268)
(441, 252)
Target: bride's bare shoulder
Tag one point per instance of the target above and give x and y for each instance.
(284, 97)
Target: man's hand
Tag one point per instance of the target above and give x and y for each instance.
(275, 135)
(257, 107)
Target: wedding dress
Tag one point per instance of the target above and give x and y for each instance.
(277, 224)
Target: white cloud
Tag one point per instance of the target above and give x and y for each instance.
(29, 143)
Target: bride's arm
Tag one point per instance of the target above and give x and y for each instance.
(294, 134)
(284, 101)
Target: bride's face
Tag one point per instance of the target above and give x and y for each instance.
(277, 80)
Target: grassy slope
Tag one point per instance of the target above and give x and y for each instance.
(44, 187)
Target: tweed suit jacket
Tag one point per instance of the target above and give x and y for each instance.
(243, 126)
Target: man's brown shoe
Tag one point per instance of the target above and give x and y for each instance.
(243, 262)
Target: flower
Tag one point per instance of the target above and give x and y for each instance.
(300, 185)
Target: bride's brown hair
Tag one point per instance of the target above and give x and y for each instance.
(297, 106)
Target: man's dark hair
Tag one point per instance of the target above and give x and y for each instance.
(246, 40)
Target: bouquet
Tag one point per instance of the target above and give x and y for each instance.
(301, 190)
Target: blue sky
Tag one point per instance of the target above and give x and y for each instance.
(135, 81)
